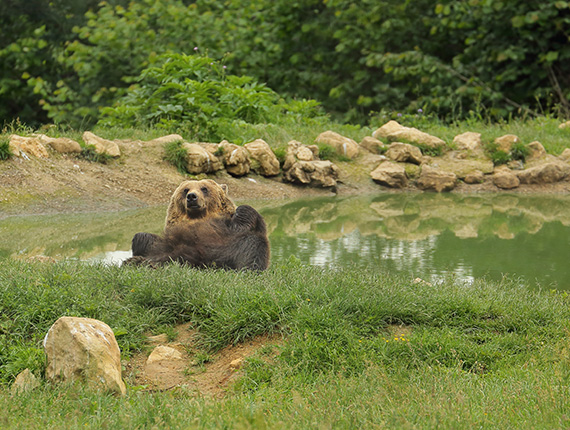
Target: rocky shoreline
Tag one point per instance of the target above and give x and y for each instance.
(47, 174)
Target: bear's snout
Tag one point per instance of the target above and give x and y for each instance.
(191, 197)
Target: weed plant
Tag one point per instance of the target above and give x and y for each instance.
(5, 152)
(359, 349)
(176, 155)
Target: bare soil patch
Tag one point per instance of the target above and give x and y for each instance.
(210, 375)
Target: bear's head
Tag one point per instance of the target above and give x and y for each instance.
(195, 200)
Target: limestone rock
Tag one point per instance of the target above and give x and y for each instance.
(63, 145)
(236, 160)
(506, 142)
(395, 132)
(343, 145)
(199, 160)
(102, 146)
(25, 381)
(236, 364)
(266, 163)
(164, 139)
(403, 152)
(475, 177)
(84, 349)
(537, 151)
(164, 367)
(390, 174)
(163, 353)
(25, 146)
(564, 125)
(547, 173)
(387, 129)
(565, 156)
(371, 144)
(436, 180)
(505, 179)
(315, 172)
(468, 141)
(461, 167)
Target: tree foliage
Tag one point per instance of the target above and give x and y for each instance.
(454, 58)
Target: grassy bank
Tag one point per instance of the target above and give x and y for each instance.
(359, 350)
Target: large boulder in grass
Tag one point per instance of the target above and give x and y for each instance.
(395, 132)
(404, 152)
(390, 174)
(102, 146)
(432, 179)
(23, 147)
(84, 349)
(302, 166)
(235, 158)
(200, 160)
(547, 173)
(343, 145)
(263, 159)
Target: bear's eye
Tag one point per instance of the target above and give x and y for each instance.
(204, 190)
(185, 191)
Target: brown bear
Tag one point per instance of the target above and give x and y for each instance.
(196, 200)
(202, 233)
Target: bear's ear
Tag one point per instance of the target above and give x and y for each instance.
(225, 188)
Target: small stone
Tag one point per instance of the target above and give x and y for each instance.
(25, 381)
(564, 125)
(236, 364)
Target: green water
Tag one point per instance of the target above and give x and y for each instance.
(424, 235)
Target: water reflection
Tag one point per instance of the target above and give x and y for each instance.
(424, 235)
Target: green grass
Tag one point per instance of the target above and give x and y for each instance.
(359, 350)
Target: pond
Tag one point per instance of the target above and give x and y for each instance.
(421, 234)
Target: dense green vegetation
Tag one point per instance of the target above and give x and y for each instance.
(64, 60)
(359, 349)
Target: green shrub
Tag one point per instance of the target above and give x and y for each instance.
(176, 155)
(194, 92)
(520, 151)
(5, 152)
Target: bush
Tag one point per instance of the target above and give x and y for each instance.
(5, 152)
(195, 93)
(175, 154)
